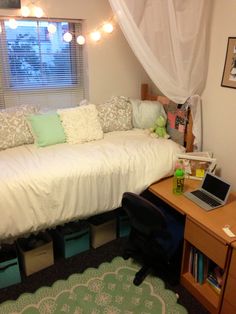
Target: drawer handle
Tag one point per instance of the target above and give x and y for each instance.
(3, 268)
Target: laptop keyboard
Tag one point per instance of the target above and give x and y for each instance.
(207, 199)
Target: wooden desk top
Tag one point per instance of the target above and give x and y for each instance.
(212, 221)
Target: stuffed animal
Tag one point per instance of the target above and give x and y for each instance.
(159, 129)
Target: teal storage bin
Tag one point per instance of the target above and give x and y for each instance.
(9, 267)
(72, 239)
(123, 225)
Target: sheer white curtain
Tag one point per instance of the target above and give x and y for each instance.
(170, 39)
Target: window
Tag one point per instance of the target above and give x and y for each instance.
(40, 67)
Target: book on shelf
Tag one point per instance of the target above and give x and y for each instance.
(195, 274)
(190, 261)
(198, 265)
(213, 284)
(200, 272)
(215, 277)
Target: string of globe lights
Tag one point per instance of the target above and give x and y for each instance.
(33, 10)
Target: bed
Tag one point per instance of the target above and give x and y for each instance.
(44, 188)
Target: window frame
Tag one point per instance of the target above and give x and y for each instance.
(76, 54)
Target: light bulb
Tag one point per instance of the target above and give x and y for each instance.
(12, 24)
(108, 28)
(52, 28)
(25, 11)
(67, 37)
(80, 40)
(95, 36)
(38, 12)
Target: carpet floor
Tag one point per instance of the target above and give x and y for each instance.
(63, 268)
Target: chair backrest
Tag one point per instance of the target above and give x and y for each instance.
(144, 216)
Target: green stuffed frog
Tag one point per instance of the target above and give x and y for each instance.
(159, 129)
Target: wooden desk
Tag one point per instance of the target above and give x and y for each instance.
(203, 230)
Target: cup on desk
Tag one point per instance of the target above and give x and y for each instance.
(178, 182)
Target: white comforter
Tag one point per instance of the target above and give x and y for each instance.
(44, 187)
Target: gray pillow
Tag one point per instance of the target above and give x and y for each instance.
(145, 113)
(115, 114)
(14, 130)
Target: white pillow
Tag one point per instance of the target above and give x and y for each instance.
(145, 113)
(81, 124)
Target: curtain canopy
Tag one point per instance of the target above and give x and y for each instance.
(170, 39)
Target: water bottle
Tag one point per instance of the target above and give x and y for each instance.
(178, 180)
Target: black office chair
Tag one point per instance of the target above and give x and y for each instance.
(155, 239)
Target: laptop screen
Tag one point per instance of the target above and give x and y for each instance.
(215, 186)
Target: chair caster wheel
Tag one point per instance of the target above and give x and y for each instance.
(137, 281)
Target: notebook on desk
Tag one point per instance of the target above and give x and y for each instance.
(213, 192)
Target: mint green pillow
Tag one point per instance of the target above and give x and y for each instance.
(46, 129)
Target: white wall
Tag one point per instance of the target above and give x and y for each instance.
(219, 103)
(112, 67)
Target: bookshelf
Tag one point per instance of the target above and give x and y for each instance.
(198, 242)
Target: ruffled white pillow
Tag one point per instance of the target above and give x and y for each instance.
(81, 124)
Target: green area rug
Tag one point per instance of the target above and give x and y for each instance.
(106, 290)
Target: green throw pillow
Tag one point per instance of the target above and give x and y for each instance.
(46, 129)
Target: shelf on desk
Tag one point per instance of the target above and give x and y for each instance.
(202, 292)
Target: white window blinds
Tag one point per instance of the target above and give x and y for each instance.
(40, 67)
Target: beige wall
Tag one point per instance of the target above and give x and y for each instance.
(219, 103)
(112, 67)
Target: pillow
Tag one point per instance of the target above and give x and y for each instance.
(177, 116)
(115, 114)
(81, 124)
(145, 113)
(14, 130)
(46, 129)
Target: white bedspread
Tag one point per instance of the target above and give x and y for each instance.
(45, 187)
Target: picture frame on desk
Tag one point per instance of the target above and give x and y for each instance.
(196, 164)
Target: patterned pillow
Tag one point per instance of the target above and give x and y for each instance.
(14, 130)
(115, 114)
(177, 116)
(81, 124)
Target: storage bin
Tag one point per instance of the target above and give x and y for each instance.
(72, 239)
(123, 225)
(102, 232)
(9, 266)
(36, 252)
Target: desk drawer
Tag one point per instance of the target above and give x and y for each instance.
(206, 243)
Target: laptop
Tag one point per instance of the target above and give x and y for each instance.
(213, 192)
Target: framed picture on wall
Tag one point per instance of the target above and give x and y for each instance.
(10, 4)
(229, 74)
